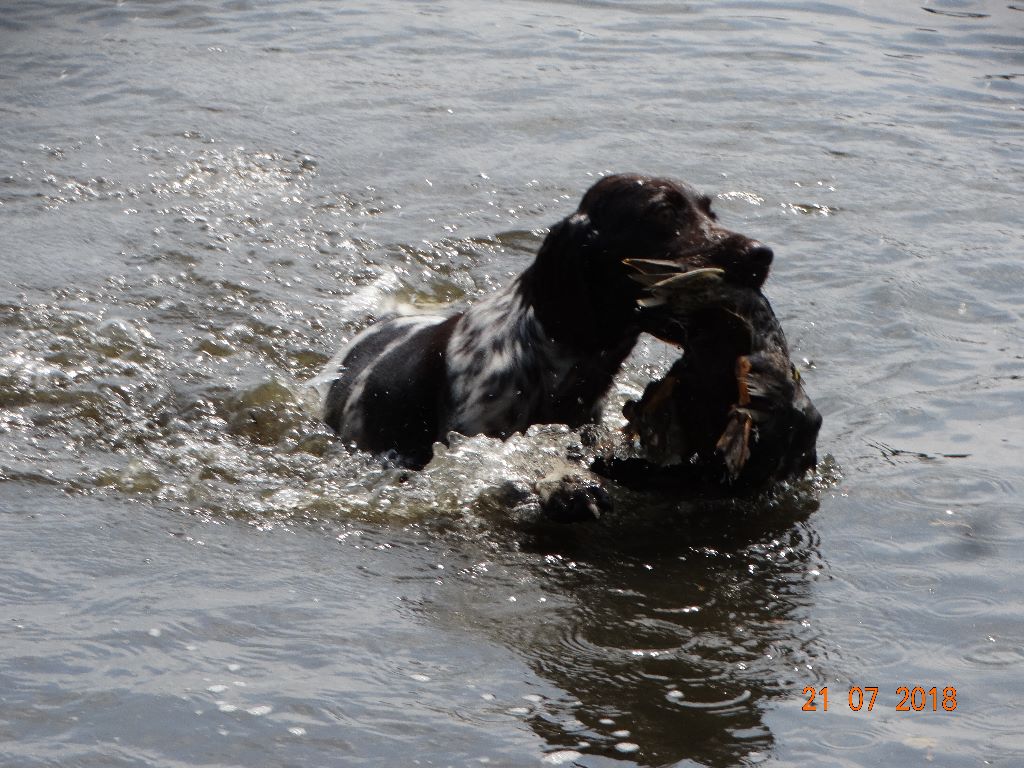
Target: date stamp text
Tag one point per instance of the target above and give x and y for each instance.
(908, 699)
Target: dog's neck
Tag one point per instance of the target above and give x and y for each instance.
(508, 371)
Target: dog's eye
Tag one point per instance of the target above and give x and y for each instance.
(672, 200)
(705, 205)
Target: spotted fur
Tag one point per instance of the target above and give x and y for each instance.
(542, 350)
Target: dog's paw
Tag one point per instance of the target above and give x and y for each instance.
(571, 498)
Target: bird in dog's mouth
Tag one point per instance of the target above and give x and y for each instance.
(732, 410)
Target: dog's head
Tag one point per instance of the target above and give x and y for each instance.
(672, 224)
(596, 268)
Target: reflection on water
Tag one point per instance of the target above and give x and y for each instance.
(674, 624)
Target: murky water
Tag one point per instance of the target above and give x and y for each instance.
(200, 201)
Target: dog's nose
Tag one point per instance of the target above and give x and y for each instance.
(759, 255)
(751, 265)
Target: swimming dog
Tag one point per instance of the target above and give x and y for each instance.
(545, 348)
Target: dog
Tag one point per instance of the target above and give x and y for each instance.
(545, 348)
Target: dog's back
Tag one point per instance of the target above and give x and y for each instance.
(391, 387)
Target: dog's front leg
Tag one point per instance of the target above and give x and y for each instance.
(572, 494)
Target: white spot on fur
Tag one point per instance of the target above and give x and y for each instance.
(502, 367)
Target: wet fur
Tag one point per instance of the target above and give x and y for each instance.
(730, 416)
(545, 348)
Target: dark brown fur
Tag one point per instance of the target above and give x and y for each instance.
(545, 348)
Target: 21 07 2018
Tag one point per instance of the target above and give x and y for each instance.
(916, 698)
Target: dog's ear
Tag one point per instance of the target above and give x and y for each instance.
(566, 240)
(561, 268)
(570, 288)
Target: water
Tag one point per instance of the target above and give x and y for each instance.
(199, 202)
